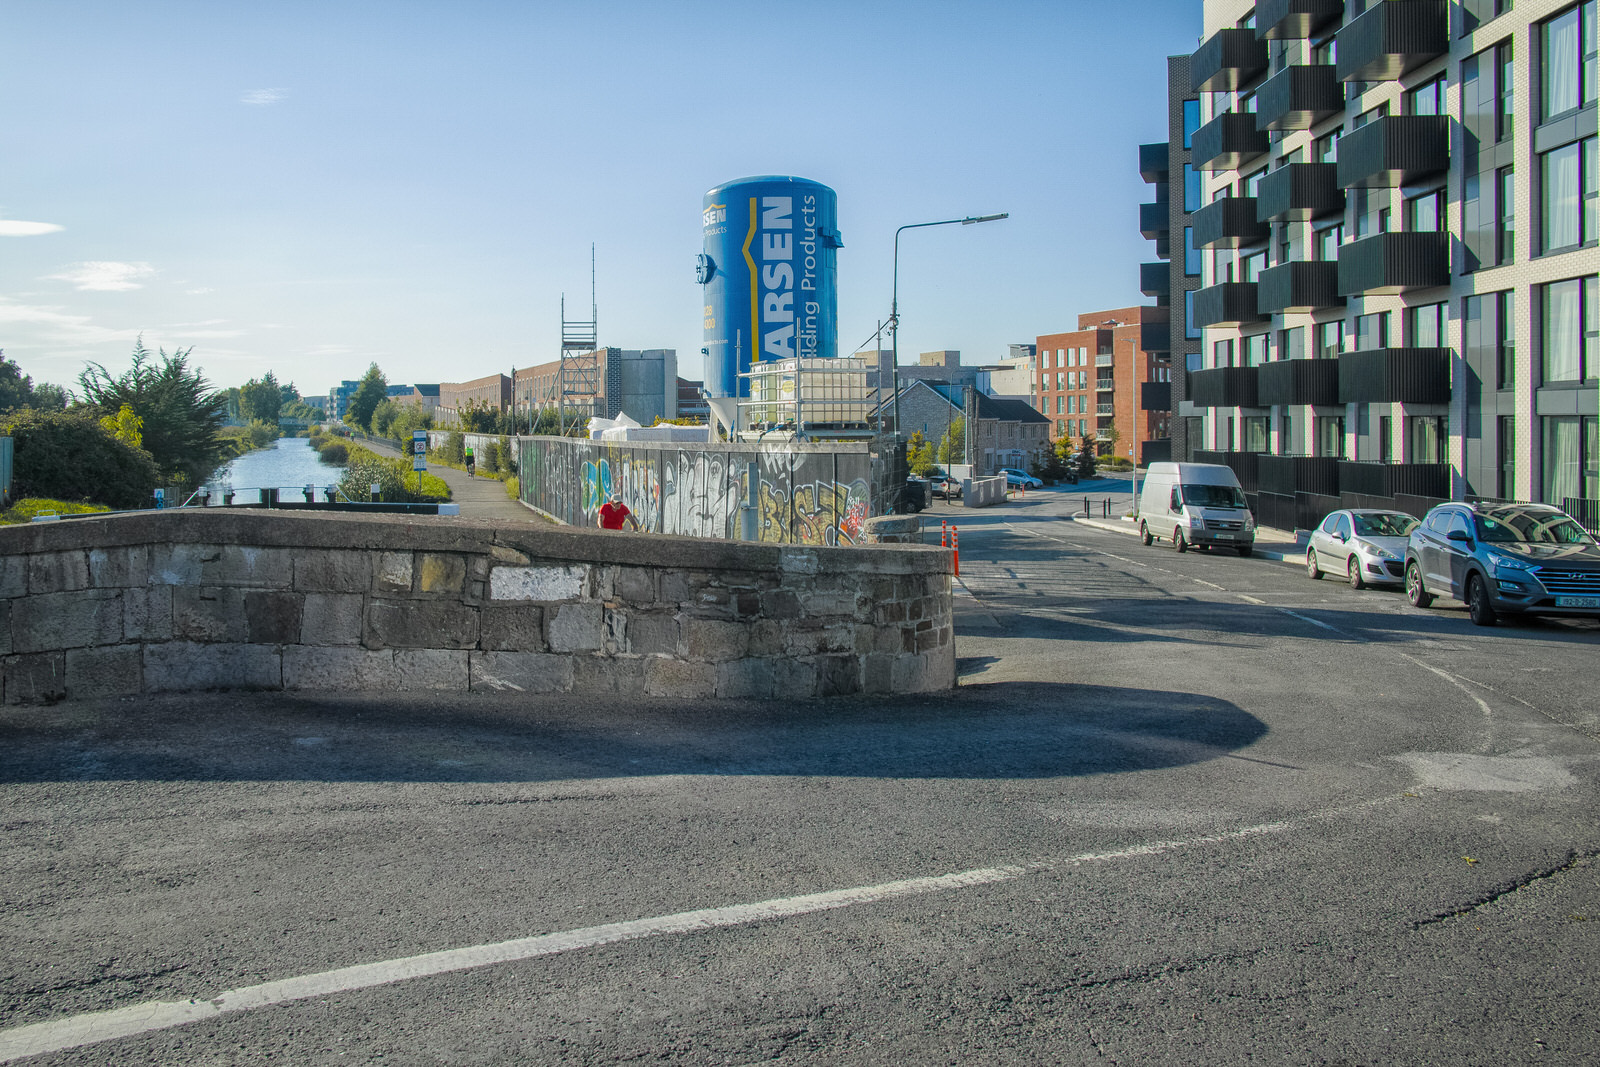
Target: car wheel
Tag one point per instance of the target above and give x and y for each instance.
(1415, 592)
(1145, 535)
(1313, 571)
(1178, 542)
(1352, 571)
(1479, 606)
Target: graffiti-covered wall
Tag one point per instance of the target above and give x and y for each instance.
(807, 494)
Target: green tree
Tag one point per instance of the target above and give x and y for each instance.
(953, 446)
(383, 417)
(18, 391)
(1086, 464)
(181, 415)
(372, 391)
(125, 426)
(68, 455)
(260, 399)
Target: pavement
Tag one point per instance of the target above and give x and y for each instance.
(480, 498)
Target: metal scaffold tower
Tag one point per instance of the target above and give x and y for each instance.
(575, 387)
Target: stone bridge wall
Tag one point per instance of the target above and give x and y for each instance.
(204, 599)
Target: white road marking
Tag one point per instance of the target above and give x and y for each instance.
(1251, 599)
(1315, 622)
(79, 1030)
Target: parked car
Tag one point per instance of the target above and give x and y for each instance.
(913, 498)
(1015, 478)
(945, 485)
(1367, 545)
(1201, 503)
(1503, 559)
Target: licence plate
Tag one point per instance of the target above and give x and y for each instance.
(1578, 601)
(1223, 536)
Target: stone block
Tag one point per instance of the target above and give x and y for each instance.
(838, 676)
(878, 672)
(441, 572)
(522, 672)
(179, 564)
(830, 602)
(56, 621)
(392, 572)
(433, 669)
(58, 572)
(635, 585)
(332, 619)
(574, 627)
(677, 678)
(336, 669)
(713, 641)
(5, 628)
(511, 628)
(927, 673)
(751, 678)
(209, 613)
(332, 570)
(653, 634)
(178, 666)
(420, 624)
(272, 618)
(675, 587)
(104, 672)
(624, 675)
(13, 576)
(795, 678)
(119, 568)
(147, 613)
(39, 678)
(247, 565)
(538, 583)
(768, 637)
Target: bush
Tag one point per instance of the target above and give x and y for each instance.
(395, 478)
(68, 455)
(25, 510)
(334, 453)
(513, 488)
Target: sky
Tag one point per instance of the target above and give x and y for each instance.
(309, 188)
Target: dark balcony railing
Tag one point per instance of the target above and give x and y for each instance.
(1229, 223)
(1231, 58)
(1391, 38)
(1393, 150)
(1300, 286)
(1297, 98)
(1585, 510)
(1299, 192)
(1244, 465)
(1155, 336)
(1153, 162)
(1155, 219)
(1227, 304)
(1388, 263)
(1298, 381)
(1155, 396)
(1282, 20)
(1228, 142)
(1395, 375)
(1224, 387)
(1394, 479)
(1155, 279)
(1287, 475)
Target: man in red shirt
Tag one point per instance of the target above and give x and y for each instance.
(613, 513)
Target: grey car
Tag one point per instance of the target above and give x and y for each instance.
(1502, 559)
(1366, 546)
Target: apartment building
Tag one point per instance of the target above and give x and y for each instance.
(1390, 214)
(1110, 374)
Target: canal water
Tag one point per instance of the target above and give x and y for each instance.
(291, 463)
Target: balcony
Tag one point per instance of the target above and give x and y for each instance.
(1244, 465)
(1104, 385)
(1284, 20)
(1155, 336)
(1104, 409)
(1231, 58)
(1224, 387)
(1104, 360)
(1155, 220)
(1299, 192)
(1227, 304)
(1297, 98)
(1228, 142)
(1229, 223)
(1392, 38)
(1393, 150)
(1155, 279)
(1395, 375)
(1287, 475)
(1298, 381)
(1155, 396)
(1389, 263)
(1395, 479)
(1153, 163)
(1301, 286)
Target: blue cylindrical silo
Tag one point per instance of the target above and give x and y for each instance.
(768, 276)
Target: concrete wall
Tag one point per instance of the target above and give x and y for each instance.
(197, 599)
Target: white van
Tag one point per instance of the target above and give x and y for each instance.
(1199, 504)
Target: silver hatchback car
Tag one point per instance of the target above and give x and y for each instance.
(1366, 546)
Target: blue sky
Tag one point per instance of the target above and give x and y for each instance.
(310, 187)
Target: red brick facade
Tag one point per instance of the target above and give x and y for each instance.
(1089, 379)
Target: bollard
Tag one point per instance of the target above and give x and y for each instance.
(376, 491)
(311, 494)
(1086, 513)
(1105, 508)
(944, 533)
(227, 498)
(269, 497)
(327, 492)
(955, 546)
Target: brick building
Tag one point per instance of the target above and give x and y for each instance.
(1102, 376)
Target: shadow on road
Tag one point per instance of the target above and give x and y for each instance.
(1008, 730)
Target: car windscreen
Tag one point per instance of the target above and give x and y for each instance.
(1384, 524)
(1531, 527)
(1213, 496)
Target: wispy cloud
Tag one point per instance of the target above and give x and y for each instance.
(263, 97)
(329, 350)
(105, 275)
(59, 328)
(202, 291)
(18, 228)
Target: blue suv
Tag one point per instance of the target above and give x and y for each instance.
(1524, 559)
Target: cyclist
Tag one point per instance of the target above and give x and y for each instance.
(471, 463)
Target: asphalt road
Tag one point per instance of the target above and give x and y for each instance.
(1182, 809)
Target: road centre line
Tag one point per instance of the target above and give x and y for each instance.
(78, 1031)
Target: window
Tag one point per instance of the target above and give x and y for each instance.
(1222, 353)
(1191, 255)
(1570, 457)
(1386, 439)
(1372, 331)
(1427, 99)
(1252, 183)
(1504, 114)
(1250, 267)
(1255, 433)
(1191, 121)
(1506, 452)
(1490, 344)
(1255, 350)
(1189, 328)
(1569, 209)
(1425, 326)
(1327, 147)
(1330, 339)
(1328, 241)
(1291, 343)
(1287, 444)
(1505, 224)
(1567, 48)
(1370, 116)
(1570, 338)
(1323, 53)
(1191, 188)
(1425, 214)
(1330, 435)
(1430, 439)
